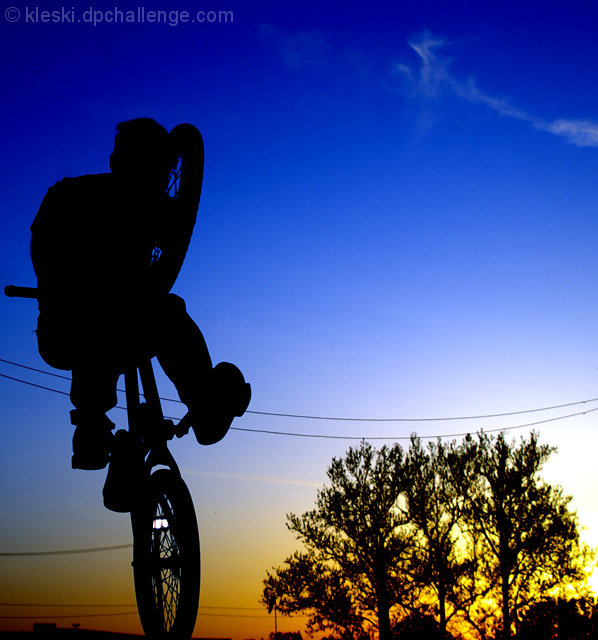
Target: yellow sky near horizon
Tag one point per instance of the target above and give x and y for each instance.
(231, 575)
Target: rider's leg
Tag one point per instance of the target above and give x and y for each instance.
(93, 392)
(93, 387)
(64, 343)
(181, 349)
(214, 396)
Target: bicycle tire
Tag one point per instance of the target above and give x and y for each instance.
(186, 165)
(166, 558)
(183, 184)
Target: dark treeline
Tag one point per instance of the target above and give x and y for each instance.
(448, 540)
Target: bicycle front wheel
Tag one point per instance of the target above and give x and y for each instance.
(166, 557)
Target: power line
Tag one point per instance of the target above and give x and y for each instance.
(66, 604)
(435, 419)
(33, 384)
(74, 615)
(25, 366)
(65, 552)
(121, 613)
(317, 417)
(110, 606)
(368, 437)
(128, 613)
(235, 615)
(442, 435)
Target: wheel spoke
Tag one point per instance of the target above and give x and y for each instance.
(163, 568)
(174, 179)
(166, 558)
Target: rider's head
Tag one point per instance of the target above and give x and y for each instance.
(141, 152)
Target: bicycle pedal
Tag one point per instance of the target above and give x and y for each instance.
(125, 473)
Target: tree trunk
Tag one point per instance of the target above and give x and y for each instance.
(506, 613)
(442, 608)
(504, 587)
(382, 603)
(504, 553)
(383, 618)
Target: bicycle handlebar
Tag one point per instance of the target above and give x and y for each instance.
(20, 292)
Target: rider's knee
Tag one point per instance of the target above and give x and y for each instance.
(54, 343)
(176, 303)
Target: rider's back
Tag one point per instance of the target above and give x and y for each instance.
(93, 248)
(94, 240)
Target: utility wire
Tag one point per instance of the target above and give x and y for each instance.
(438, 419)
(67, 604)
(129, 613)
(74, 615)
(121, 613)
(32, 384)
(65, 552)
(95, 606)
(344, 437)
(312, 417)
(24, 366)
(442, 435)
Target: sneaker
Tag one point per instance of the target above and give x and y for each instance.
(230, 397)
(92, 440)
(124, 481)
(210, 429)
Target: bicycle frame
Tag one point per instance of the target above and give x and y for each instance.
(146, 419)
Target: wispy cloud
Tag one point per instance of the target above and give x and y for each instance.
(433, 76)
(251, 478)
(583, 133)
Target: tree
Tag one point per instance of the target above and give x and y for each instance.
(559, 619)
(525, 524)
(435, 488)
(307, 583)
(352, 570)
(288, 635)
(418, 626)
(448, 533)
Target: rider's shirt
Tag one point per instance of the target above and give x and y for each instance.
(100, 242)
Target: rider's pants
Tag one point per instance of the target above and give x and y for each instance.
(98, 352)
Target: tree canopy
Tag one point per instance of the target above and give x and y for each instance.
(525, 524)
(347, 576)
(456, 536)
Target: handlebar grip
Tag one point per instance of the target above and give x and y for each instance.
(20, 292)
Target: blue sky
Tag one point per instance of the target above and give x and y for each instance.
(398, 220)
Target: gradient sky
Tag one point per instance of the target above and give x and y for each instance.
(398, 220)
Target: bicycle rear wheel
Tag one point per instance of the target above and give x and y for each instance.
(166, 558)
(186, 165)
(182, 185)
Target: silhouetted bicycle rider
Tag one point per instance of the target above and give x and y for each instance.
(104, 299)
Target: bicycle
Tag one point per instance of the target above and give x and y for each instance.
(166, 548)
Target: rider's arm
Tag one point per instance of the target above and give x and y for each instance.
(48, 239)
(39, 229)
